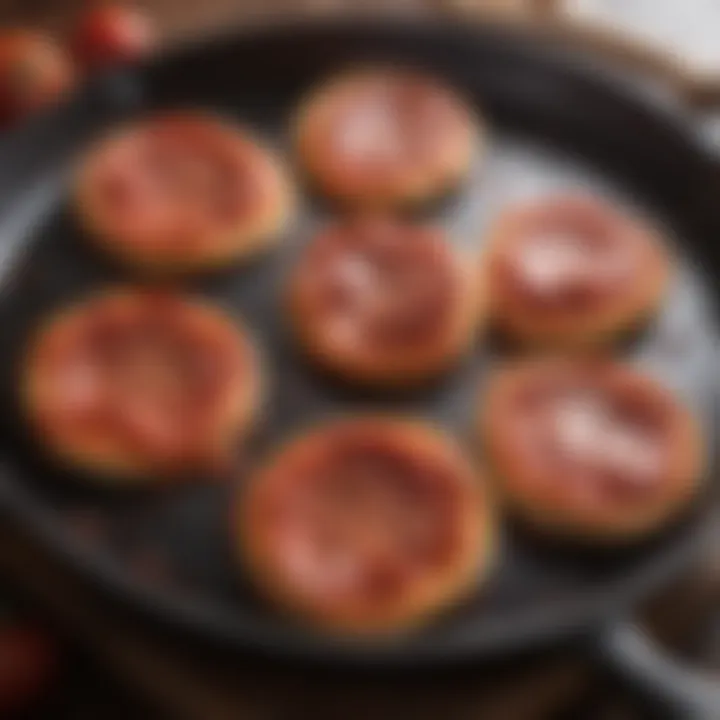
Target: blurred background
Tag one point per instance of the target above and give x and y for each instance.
(64, 655)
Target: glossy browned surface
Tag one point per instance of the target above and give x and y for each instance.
(384, 137)
(366, 524)
(591, 446)
(570, 269)
(180, 188)
(382, 299)
(147, 375)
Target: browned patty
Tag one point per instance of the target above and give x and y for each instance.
(366, 525)
(589, 447)
(182, 191)
(385, 137)
(383, 301)
(141, 384)
(571, 271)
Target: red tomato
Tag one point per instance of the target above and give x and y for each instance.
(28, 661)
(34, 71)
(109, 34)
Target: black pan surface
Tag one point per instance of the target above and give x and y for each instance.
(555, 125)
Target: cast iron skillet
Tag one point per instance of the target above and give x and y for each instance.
(556, 123)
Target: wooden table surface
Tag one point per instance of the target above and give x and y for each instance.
(185, 685)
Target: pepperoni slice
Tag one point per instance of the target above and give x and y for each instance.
(181, 191)
(385, 137)
(572, 270)
(141, 383)
(383, 301)
(366, 525)
(590, 446)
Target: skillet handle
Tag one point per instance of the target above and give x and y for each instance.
(676, 691)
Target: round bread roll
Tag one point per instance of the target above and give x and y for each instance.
(385, 138)
(589, 448)
(182, 192)
(366, 526)
(140, 385)
(571, 271)
(383, 302)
